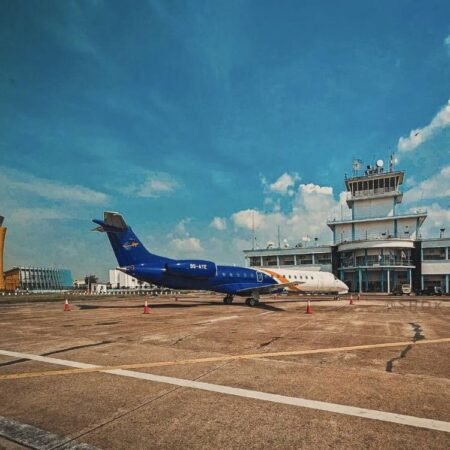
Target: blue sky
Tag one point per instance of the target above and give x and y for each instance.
(188, 115)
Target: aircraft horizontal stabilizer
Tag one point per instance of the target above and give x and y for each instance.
(112, 222)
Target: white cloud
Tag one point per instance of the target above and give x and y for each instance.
(28, 215)
(155, 185)
(284, 184)
(309, 209)
(181, 226)
(311, 188)
(438, 218)
(186, 245)
(14, 180)
(248, 219)
(419, 135)
(219, 223)
(437, 186)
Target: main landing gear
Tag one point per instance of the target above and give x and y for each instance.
(228, 300)
(252, 301)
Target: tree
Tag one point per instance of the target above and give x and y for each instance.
(89, 280)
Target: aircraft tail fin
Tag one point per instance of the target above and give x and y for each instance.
(127, 247)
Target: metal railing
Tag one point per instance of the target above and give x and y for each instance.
(383, 262)
(373, 237)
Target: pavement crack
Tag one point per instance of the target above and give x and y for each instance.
(180, 339)
(131, 410)
(417, 337)
(265, 344)
(55, 352)
(417, 332)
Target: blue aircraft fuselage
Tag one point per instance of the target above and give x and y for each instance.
(135, 260)
(186, 274)
(195, 274)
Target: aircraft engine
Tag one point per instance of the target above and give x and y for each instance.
(192, 268)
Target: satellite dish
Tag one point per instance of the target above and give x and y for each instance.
(380, 163)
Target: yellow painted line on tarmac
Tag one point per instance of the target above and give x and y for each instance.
(91, 368)
(335, 408)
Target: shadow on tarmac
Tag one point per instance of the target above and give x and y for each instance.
(175, 305)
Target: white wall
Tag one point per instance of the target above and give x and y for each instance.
(343, 232)
(436, 268)
(120, 279)
(377, 207)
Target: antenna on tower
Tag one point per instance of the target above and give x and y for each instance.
(356, 166)
(392, 162)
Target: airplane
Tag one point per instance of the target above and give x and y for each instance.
(195, 274)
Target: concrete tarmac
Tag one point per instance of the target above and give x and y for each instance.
(193, 337)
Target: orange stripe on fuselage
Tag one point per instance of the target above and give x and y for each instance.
(281, 278)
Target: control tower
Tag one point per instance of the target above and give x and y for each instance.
(2, 246)
(376, 246)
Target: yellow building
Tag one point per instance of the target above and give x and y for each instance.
(2, 246)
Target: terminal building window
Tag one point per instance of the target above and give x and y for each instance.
(373, 259)
(361, 260)
(433, 253)
(270, 261)
(434, 280)
(287, 260)
(255, 261)
(323, 258)
(347, 259)
(304, 259)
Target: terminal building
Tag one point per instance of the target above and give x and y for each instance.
(376, 248)
(37, 279)
(31, 278)
(2, 246)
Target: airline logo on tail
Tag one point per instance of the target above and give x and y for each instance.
(130, 244)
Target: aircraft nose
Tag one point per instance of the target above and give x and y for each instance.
(343, 286)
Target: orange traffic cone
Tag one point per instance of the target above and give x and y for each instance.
(66, 305)
(146, 308)
(309, 308)
(351, 300)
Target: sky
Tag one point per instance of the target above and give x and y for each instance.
(198, 119)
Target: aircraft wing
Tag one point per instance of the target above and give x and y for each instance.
(269, 288)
